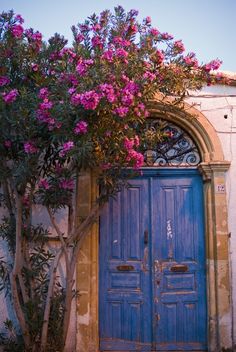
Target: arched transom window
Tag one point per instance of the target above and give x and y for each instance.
(166, 144)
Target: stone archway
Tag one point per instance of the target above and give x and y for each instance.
(213, 168)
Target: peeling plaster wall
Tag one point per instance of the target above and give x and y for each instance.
(218, 104)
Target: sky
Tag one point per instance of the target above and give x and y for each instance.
(206, 27)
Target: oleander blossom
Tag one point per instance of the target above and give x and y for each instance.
(43, 93)
(121, 111)
(67, 184)
(66, 147)
(43, 183)
(30, 148)
(89, 100)
(11, 96)
(4, 81)
(81, 127)
(136, 158)
(17, 30)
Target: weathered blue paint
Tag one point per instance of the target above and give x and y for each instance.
(154, 228)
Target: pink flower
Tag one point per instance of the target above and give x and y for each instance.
(89, 100)
(10, 96)
(43, 93)
(212, 65)
(35, 67)
(121, 111)
(79, 38)
(37, 36)
(107, 55)
(191, 61)
(17, 30)
(136, 158)
(7, 144)
(149, 75)
(166, 36)
(75, 98)
(4, 81)
(120, 52)
(45, 105)
(83, 66)
(159, 56)
(107, 91)
(30, 148)
(96, 42)
(19, 19)
(43, 183)
(81, 127)
(127, 98)
(154, 32)
(96, 27)
(128, 143)
(148, 20)
(66, 147)
(179, 46)
(66, 184)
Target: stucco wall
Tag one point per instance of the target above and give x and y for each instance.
(218, 104)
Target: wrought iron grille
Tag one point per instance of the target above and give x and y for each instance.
(165, 144)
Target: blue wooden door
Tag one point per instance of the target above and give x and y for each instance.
(152, 265)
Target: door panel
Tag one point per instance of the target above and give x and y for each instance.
(125, 285)
(152, 271)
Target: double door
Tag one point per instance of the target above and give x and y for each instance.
(152, 265)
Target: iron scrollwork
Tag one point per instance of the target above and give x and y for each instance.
(165, 144)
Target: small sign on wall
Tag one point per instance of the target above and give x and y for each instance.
(220, 188)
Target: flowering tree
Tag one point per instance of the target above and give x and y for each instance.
(65, 109)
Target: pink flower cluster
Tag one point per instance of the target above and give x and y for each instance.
(30, 148)
(43, 114)
(107, 55)
(89, 100)
(83, 65)
(34, 38)
(66, 147)
(121, 111)
(10, 96)
(107, 91)
(17, 30)
(43, 183)
(81, 127)
(149, 76)
(212, 65)
(97, 42)
(179, 46)
(121, 41)
(67, 184)
(191, 60)
(135, 157)
(4, 81)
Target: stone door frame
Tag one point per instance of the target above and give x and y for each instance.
(213, 169)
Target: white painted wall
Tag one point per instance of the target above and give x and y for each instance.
(215, 102)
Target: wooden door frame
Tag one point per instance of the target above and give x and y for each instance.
(213, 169)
